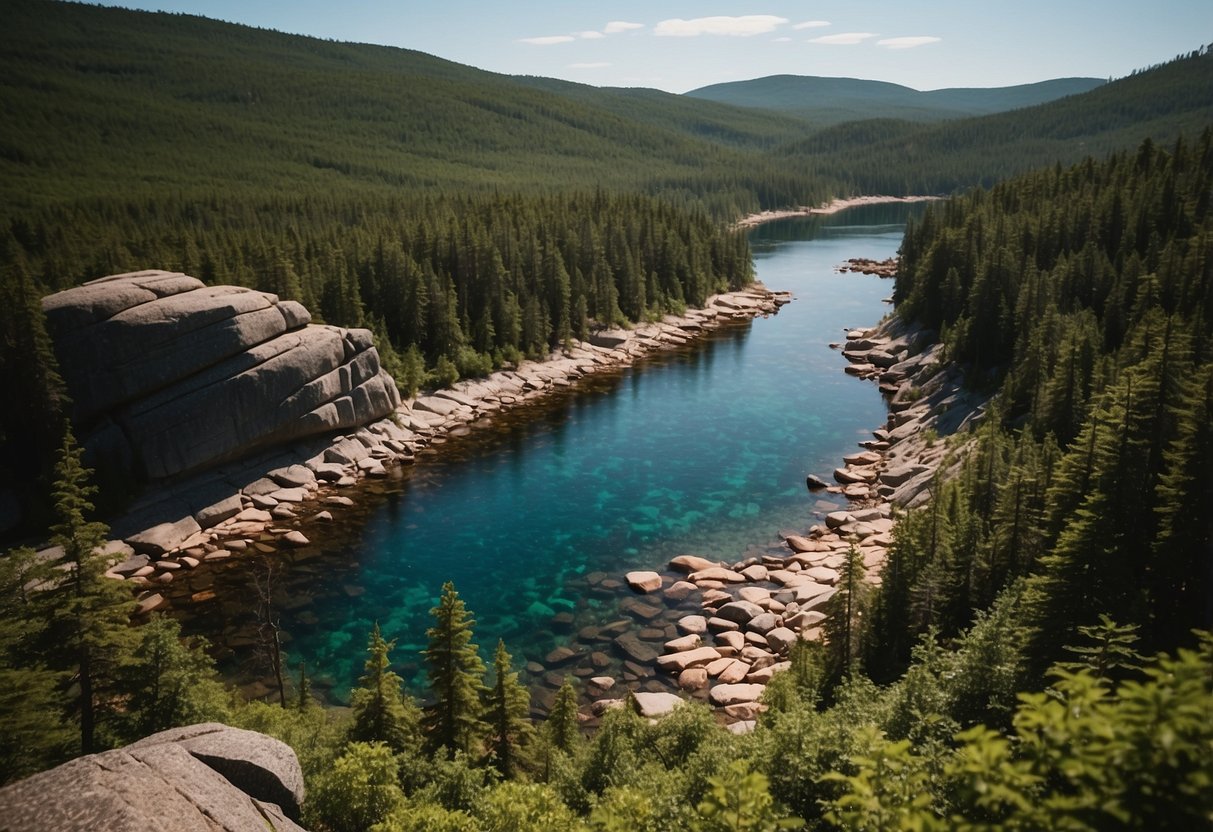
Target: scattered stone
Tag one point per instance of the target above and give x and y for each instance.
(691, 563)
(677, 662)
(688, 642)
(643, 582)
(731, 694)
(693, 624)
(717, 573)
(295, 538)
(655, 704)
(693, 679)
(151, 603)
(679, 591)
(739, 612)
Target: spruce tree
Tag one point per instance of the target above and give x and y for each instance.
(505, 714)
(561, 728)
(844, 611)
(36, 736)
(382, 711)
(169, 682)
(95, 615)
(455, 671)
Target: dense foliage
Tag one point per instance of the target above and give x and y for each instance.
(470, 219)
(1084, 296)
(103, 101)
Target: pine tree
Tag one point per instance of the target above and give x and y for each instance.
(382, 712)
(455, 671)
(169, 683)
(844, 623)
(95, 616)
(509, 730)
(36, 736)
(561, 727)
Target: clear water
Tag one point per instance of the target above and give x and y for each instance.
(704, 450)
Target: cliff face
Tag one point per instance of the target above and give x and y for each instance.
(168, 375)
(205, 777)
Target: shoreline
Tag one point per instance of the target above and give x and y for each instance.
(263, 504)
(833, 207)
(753, 610)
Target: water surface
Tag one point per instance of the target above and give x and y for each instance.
(703, 450)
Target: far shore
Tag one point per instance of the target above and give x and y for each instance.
(829, 208)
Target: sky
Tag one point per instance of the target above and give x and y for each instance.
(680, 46)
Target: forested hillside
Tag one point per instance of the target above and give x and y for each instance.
(825, 102)
(1086, 296)
(102, 101)
(898, 157)
(1029, 660)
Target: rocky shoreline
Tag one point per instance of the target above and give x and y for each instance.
(832, 207)
(752, 611)
(264, 504)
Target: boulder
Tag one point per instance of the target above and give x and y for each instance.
(178, 376)
(693, 624)
(781, 639)
(201, 777)
(691, 563)
(722, 695)
(717, 573)
(738, 612)
(693, 678)
(678, 662)
(643, 581)
(762, 623)
(655, 704)
(631, 646)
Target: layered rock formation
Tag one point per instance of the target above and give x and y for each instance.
(203, 777)
(169, 375)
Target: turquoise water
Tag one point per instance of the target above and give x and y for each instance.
(703, 451)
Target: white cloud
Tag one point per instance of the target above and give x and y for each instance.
(844, 38)
(743, 26)
(906, 43)
(781, 40)
(811, 24)
(590, 35)
(594, 65)
(548, 40)
(617, 26)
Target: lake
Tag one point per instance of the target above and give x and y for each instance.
(537, 513)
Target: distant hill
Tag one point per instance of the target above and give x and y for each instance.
(899, 157)
(106, 100)
(829, 101)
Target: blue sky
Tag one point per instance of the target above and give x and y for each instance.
(678, 46)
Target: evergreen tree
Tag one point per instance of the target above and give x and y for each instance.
(509, 730)
(35, 734)
(562, 729)
(455, 671)
(94, 618)
(168, 683)
(382, 711)
(844, 622)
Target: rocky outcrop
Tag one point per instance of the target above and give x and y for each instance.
(168, 375)
(204, 777)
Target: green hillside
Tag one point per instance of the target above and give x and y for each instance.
(884, 156)
(100, 101)
(828, 101)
